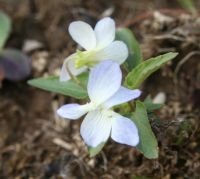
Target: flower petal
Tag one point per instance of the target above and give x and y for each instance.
(104, 81)
(116, 51)
(105, 32)
(69, 67)
(124, 131)
(83, 34)
(95, 128)
(72, 111)
(121, 96)
(64, 75)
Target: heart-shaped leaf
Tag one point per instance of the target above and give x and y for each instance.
(15, 65)
(142, 71)
(5, 28)
(68, 88)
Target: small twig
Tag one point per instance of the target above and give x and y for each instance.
(179, 65)
(184, 60)
(143, 16)
(105, 161)
(168, 36)
(75, 78)
(62, 143)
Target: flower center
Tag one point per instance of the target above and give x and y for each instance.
(85, 58)
(109, 113)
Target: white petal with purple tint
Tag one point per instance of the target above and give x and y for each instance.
(73, 111)
(95, 128)
(105, 32)
(121, 96)
(116, 51)
(83, 34)
(104, 81)
(124, 131)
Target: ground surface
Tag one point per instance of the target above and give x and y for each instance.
(35, 143)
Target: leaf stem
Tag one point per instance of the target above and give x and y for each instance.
(74, 78)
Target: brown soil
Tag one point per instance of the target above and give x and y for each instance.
(35, 143)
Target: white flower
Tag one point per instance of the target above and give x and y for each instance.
(105, 91)
(99, 45)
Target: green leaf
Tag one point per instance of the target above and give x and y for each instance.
(137, 76)
(68, 88)
(95, 150)
(135, 55)
(150, 106)
(189, 5)
(148, 144)
(5, 28)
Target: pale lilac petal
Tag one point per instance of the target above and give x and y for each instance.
(95, 128)
(121, 96)
(124, 131)
(105, 32)
(116, 51)
(83, 34)
(104, 81)
(69, 67)
(72, 111)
